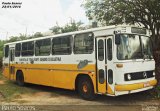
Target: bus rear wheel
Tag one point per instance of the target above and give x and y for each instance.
(85, 88)
(20, 78)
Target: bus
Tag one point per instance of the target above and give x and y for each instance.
(112, 60)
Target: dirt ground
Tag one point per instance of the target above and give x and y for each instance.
(66, 100)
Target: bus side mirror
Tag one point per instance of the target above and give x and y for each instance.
(117, 39)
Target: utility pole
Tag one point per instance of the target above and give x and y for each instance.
(6, 35)
(26, 32)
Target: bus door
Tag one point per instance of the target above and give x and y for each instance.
(11, 62)
(104, 65)
(101, 64)
(109, 65)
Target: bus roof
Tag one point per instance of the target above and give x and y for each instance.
(73, 33)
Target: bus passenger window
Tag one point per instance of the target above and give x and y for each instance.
(28, 48)
(101, 50)
(101, 76)
(83, 43)
(6, 51)
(110, 76)
(61, 45)
(109, 48)
(18, 50)
(43, 47)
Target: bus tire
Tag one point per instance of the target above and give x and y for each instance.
(20, 78)
(85, 88)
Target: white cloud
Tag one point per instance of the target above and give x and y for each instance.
(37, 16)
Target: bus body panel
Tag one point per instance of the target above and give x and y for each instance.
(133, 67)
(56, 75)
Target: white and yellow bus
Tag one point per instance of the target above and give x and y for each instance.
(112, 60)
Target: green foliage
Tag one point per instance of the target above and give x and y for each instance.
(10, 90)
(17, 38)
(156, 92)
(2, 42)
(24, 37)
(56, 29)
(1, 51)
(36, 35)
(101, 10)
(1, 56)
(13, 39)
(1, 76)
(72, 26)
(158, 88)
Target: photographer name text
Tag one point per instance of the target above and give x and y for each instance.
(11, 4)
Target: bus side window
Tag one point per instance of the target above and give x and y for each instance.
(18, 50)
(83, 43)
(101, 50)
(28, 48)
(43, 47)
(61, 45)
(109, 49)
(6, 51)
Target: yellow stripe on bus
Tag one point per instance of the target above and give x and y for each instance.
(130, 87)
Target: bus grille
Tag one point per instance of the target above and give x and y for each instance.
(138, 75)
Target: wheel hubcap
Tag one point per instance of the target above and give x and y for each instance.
(85, 88)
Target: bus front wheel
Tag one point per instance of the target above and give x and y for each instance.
(20, 78)
(85, 88)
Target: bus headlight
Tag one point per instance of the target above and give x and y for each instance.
(154, 74)
(128, 76)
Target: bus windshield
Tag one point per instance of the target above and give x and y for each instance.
(134, 47)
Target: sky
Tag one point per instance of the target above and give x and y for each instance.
(38, 16)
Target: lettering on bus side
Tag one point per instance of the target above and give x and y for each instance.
(41, 59)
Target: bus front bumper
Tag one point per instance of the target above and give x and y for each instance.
(131, 87)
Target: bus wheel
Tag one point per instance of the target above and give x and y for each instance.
(85, 88)
(20, 78)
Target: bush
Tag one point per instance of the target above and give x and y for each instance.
(1, 64)
(158, 91)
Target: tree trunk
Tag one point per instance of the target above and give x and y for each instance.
(156, 55)
(156, 52)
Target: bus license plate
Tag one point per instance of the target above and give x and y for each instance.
(147, 84)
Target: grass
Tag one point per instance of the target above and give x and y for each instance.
(158, 92)
(10, 89)
(1, 76)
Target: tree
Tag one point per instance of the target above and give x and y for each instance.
(22, 37)
(2, 42)
(13, 39)
(35, 35)
(143, 12)
(17, 38)
(72, 26)
(56, 29)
